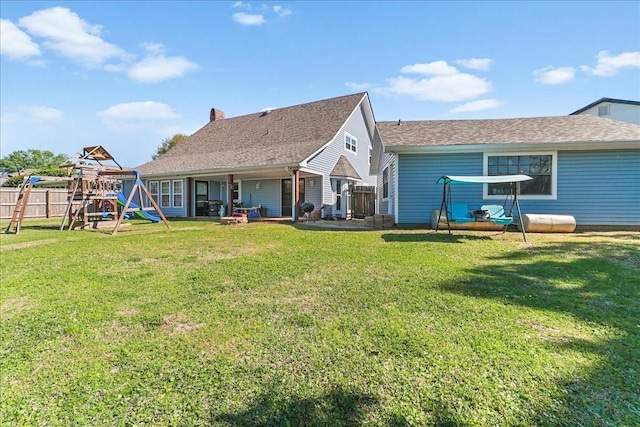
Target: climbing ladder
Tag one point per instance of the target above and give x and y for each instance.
(21, 206)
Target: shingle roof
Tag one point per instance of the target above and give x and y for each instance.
(344, 168)
(283, 136)
(611, 100)
(563, 129)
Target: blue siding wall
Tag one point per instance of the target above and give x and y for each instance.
(596, 187)
(418, 193)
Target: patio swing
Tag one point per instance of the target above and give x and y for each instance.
(460, 213)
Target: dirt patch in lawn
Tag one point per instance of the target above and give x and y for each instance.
(178, 324)
(14, 306)
(31, 244)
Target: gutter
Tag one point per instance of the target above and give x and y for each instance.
(532, 146)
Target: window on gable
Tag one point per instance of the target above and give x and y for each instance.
(370, 154)
(350, 142)
(603, 110)
(538, 166)
(385, 183)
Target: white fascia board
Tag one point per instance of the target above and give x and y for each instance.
(213, 172)
(474, 148)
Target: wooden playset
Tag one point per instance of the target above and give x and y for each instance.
(95, 193)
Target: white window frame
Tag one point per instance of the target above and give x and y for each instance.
(350, 143)
(383, 174)
(338, 196)
(162, 194)
(175, 193)
(554, 175)
(154, 194)
(239, 183)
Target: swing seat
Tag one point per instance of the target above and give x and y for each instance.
(460, 213)
(497, 214)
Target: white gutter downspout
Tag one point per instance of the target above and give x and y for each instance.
(294, 184)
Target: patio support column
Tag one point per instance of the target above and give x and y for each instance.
(295, 194)
(230, 195)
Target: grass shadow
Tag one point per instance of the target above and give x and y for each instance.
(596, 284)
(338, 407)
(431, 237)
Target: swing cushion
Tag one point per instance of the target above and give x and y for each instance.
(460, 213)
(497, 214)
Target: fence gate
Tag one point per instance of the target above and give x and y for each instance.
(363, 201)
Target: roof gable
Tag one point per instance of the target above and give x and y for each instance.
(601, 100)
(344, 168)
(533, 130)
(283, 136)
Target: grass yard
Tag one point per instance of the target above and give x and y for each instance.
(274, 324)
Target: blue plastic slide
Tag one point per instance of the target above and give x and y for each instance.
(122, 200)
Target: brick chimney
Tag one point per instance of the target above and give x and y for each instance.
(216, 115)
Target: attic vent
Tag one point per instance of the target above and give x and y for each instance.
(603, 110)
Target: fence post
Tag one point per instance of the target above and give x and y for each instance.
(47, 204)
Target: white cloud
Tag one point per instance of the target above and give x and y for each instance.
(139, 111)
(282, 11)
(609, 65)
(359, 86)
(554, 76)
(241, 4)
(449, 88)
(480, 105)
(248, 18)
(437, 68)
(14, 43)
(70, 36)
(34, 114)
(480, 64)
(158, 68)
(153, 48)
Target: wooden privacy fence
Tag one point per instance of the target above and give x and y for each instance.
(43, 202)
(363, 201)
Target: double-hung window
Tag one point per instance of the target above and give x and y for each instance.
(165, 194)
(539, 166)
(152, 186)
(350, 142)
(385, 183)
(177, 193)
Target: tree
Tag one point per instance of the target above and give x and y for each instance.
(169, 143)
(31, 159)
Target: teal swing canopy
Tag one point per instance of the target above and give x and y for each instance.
(495, 213)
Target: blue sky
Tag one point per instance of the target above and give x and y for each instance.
(126, 75)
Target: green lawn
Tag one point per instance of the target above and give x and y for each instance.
(274, 324)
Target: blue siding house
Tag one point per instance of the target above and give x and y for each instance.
(582, 165)
(273, 160)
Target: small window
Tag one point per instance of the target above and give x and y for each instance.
(370, 154)
(338, 195)
(165, 194)
(152, 186)
(236, 192)
(350, 142)
(177, 194)
(603, 110)
(385, 183)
